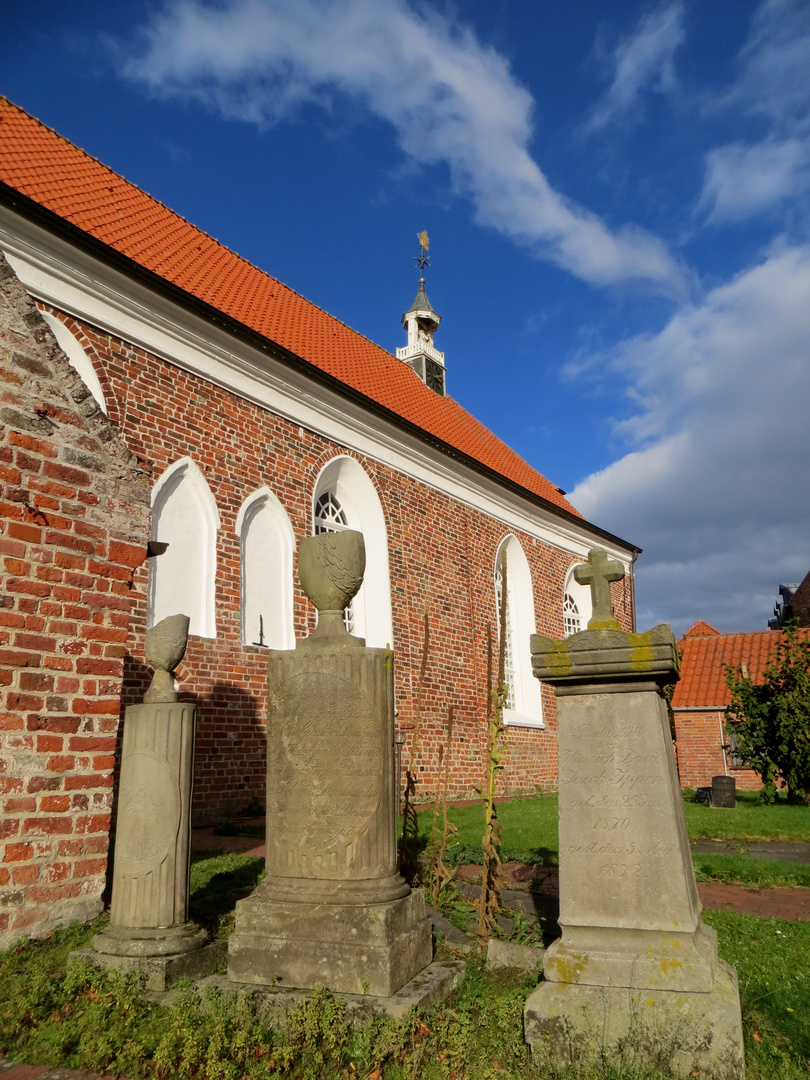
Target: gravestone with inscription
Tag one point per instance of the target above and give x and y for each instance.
(635, 976)
(149, 908)
(333, 908)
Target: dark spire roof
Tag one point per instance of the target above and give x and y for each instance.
(421, 303)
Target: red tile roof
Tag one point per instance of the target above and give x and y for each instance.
(701, 629)
(45, 167)
(704, 659)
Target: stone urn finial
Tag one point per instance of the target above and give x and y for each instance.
(165, 647)
(330, 569)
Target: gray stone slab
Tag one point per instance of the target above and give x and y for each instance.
(454, 939)
(506, 954)
(433, 983)
(679, 1034)
(160, 972)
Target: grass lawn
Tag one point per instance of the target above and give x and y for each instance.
(748, 821)
(102, 1023)
(530, 835)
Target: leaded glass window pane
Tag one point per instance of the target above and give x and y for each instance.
(572, 620)
(331, 517)
(509, 672)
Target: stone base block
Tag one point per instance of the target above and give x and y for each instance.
(160, 972)
(434, 983)
(672, 1031)
(374, 949)
(142, 941)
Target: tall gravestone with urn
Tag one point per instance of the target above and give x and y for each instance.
(635, 977)
(332, 908)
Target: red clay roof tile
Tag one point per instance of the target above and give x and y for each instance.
(704, 660)
(45, 167)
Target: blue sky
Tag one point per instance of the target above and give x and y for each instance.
(616, 197)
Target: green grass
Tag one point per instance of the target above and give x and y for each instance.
(216, 882)
(751, 872)
(772, 958)
(530, 835)
(748, 821)
(97, 1021)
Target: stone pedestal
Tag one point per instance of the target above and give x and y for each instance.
(149, 910)
(635, 975)
(332, 908)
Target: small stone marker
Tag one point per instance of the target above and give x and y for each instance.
(149, 909)
(333, 908)
(724, 792)
(635, 978)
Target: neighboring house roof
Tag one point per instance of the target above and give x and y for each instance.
(40, 164)
(799, 606)
(701, 629)
(704, 660)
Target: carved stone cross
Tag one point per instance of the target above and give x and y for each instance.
(598, 573)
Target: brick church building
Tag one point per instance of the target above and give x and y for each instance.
(158, 393)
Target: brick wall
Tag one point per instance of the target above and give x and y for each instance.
(441, 554)
(74, 522)
(700, 739)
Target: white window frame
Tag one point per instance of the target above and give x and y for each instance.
(203, 613)
(77, 357)
(358, 499)
(278, 593)
(580, 595)
(526, 699)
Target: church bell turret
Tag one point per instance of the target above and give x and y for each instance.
(421, 322)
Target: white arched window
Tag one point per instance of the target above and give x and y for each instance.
(266, 543)
(79, 360)
(524, 703)
(345, 498)
(577, 608)
(181, 580)
(331, 517)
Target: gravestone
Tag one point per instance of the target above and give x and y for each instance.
(724, 791)
(635, 978)
(149, 908)
(333, 908)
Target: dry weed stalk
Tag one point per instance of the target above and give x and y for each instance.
(489, 903)
(408, 846)
(440, 875)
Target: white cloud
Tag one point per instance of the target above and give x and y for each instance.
(745, 179)
(450, 99)
(715, 484)
(641, 61)
(772, 88)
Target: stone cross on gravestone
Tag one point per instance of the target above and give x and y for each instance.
(598, 573)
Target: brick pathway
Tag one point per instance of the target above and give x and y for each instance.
(12, 1070)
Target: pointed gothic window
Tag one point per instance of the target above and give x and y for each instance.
(330, 517)
(267, 543)
(524, 704)
(576, 608)
(346, 498)
(572, 620)
(78, 358)
(182, 579)
(509, 629)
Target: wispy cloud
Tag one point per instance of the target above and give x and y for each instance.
(772, 91)
(745, 179)
(450, 99)
(640, 62)
(714, 482)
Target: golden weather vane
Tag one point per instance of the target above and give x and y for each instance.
(423, 259)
